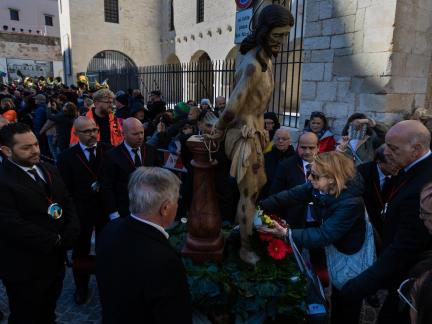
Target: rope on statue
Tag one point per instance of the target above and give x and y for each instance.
(210, 143)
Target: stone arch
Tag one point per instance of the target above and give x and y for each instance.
(116, 67)
(110, 60)
(232, 54)
(172, 81)
(172, 59)
(201, 80)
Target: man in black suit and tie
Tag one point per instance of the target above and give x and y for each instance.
(292, 172)
(79, 167)
(404, 237)
(140, 276)
(119, 163)
(378, 179)
(38, 223)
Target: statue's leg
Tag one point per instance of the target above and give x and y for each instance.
(249, 191)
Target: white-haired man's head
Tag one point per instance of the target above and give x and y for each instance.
(153, 195)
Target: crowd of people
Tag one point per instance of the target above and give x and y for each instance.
(93, 145)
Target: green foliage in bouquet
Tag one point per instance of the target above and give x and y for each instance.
(274, 287)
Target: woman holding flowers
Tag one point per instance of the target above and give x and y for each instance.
(338, 206)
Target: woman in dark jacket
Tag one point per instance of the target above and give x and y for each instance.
(339, 209)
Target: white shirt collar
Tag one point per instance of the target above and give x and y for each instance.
(26, 169)
(305, 164)
(426, 155)
(83, 147)
(129, 148)
(381, 176)
(158, 227)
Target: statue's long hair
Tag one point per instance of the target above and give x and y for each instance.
(270, 17)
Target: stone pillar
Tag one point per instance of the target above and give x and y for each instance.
(204, 241)
(368, 56)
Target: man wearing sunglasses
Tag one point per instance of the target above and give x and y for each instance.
(404, 237)
(79, 167)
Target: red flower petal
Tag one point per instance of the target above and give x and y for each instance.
(277, 249)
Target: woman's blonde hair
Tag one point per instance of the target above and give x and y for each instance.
(337, 166)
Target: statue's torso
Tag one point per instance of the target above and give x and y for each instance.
(258, 95)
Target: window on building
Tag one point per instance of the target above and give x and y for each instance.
(200, 11)
(48, 20)
(171, 26)
(111, 11)
(14, 14)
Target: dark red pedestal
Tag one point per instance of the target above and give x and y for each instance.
(204, 241)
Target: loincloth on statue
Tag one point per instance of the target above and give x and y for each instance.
(244, 146)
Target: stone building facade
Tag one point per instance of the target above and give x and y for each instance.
(189, 40)
(85, 33)
(367, 56)
(144, 32)
(30, 39)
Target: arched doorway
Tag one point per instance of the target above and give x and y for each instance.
(117, 68)
(202, 79)
(171, 84)
(110, 60)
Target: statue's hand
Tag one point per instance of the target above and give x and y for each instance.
(215, 135)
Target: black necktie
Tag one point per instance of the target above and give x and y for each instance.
(38, 179)
(137, 159)
(308, 170)
(92, 156)
(386, 188)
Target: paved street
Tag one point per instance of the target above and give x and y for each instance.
(67, 311)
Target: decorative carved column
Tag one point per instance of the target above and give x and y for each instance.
(204, 241)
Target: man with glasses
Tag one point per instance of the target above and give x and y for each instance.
(79, 167)
(404, 236)
(110, 127)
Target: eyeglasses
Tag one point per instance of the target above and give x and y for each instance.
(283, 139)
(108, 102)
(315, 176)
(404, 292)
(423, 214)
(89, 131)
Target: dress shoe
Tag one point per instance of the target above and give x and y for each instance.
(80, 296)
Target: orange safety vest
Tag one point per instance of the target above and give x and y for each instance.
(115, 125)
(10, 115)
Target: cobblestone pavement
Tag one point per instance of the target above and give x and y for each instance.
(90, 313)
(67, 311)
